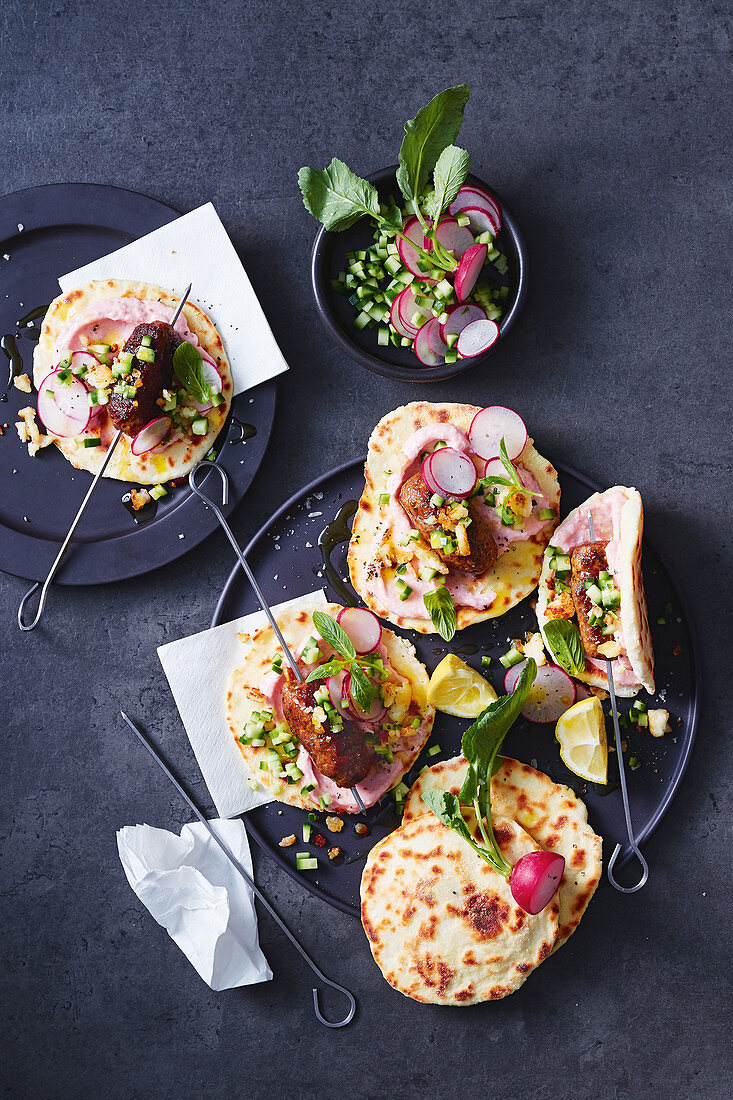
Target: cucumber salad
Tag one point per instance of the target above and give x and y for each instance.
(434, 279)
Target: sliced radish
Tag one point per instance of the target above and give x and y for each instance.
(377, 711)
(151, 435)
(397, 322)
(408, 307)
(436, 343)
(474, 196)
(468, 270)
(550, 695)
(493, 423)
(477, 338)
(168, 441)
(64, 408)
(335, 685)
(456, 238)
(425, 344)
(82, 359)
(535, 879)
(495, 466)
(362, 626)
(451, 472)
(211, 374)
(481, 220)
(459, 317)
(409, 255)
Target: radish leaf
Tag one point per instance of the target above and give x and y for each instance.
(450, 173)
(336, 196)
(435, 126)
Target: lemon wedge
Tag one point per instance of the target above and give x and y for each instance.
(581, 731)
(456, 688)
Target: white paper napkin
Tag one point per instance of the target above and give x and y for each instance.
(196, 894)
(198, 670)
(196, 248)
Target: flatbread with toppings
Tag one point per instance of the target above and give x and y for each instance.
(307, 744)
(442, 924)
(597, 585)
(105, 361)
(551, 813)
(439, 511)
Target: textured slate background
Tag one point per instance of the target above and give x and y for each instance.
(605, 128)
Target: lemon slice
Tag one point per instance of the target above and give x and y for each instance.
(581, 731)
(456, 688)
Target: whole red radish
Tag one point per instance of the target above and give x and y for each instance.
(535, 879)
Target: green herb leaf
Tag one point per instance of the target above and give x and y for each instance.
(439, 605)
(361, 689)
(426, 135)
(336, 196)
(450, 173)
(331, 668)
(189, 370)
(508, 466)
(565, 644)
(334, 634)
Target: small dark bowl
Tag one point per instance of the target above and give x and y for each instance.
(337, 313)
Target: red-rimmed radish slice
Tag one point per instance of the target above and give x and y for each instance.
(63, 408)
(151, 435)
(427, 339)
(493, 423)
(461, 316)
(550, 695)
(468, 270)
(535, 879)
(212, 378)
(174, 437)
(408, 307)
(396, 320)
(456, 238)
(335, 685)
(82, 359)
(451, 472)
(494, 466)
(474, 196)
(409, 255)
(481, 220)
(477, 338)
(378, 709)
(362, 626)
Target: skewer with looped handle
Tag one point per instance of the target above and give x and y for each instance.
(26, 626)
(255, 889)
(622, 775)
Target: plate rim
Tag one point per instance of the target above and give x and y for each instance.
(676, 781)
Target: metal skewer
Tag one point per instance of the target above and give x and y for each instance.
(622, 775)
(250, 882)
(75, 522)
(248, 572)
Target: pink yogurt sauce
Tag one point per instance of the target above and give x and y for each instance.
(116, 317)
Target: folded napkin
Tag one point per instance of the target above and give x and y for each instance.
(196, 249)
(197, 895)
(198, 670)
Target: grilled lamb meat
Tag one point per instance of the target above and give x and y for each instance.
(343, 757)
(132, 414)
(415, 498)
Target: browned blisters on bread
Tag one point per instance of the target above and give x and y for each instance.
(503, 833)
(365, 506)
(523, 968)
(408, 914)
(545, 950)
(578, 858)
(469, 959)
(485, 913)
(561, 822)
(427, 928)
(368, 926)
(437, 975)
(301, 617)
(552, 841)
(464, 994)
(424, 891)
(498, 992)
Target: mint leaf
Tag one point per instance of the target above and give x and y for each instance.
(565, 644)
(334, 634)
(189, 370)
(336, 196)
(361, 689)
(331, 668)
(435, 126)
(449, 176)
(508, 465)
(440, 607)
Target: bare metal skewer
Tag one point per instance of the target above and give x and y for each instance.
(250, 882)
(248, 572)
(75, 522)
(622, 775)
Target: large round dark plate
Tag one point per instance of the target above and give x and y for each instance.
(63, 227)
(286, 559)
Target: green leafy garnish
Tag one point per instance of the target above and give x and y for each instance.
(434, 127)
(565, 644)
(189, 370)
(481, 744)
(336, 196)
(334, 634)
(362, 689)
(450, 174)
(439, 605)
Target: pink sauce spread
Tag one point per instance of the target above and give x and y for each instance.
(115, 318)
(461, 586)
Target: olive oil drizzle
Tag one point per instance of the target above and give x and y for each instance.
(336, 533)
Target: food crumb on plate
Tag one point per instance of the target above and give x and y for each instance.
(22, 382)
(288, 841)
(334, 824)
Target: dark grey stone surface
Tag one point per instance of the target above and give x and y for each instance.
(605, 127)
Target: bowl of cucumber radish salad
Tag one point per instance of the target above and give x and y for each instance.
(419, 270)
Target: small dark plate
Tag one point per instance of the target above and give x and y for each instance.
(286, 559)
(63, 227)
(329, 258)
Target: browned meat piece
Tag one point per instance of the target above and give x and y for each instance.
(343, 757)
(415, 499)
(132, 414)
(587, 561)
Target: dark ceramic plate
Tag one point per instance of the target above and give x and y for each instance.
(63, 227)
(286, 558)
(329, 258)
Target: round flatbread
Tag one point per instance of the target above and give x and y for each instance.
(152, 467)
(372, 544)
(442, 924)
(551, 813)
(618, 516)
(407, 689)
